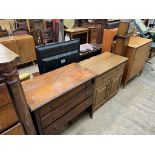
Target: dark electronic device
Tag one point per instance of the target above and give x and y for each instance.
(55, 55)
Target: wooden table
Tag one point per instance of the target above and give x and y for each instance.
(56, 97)
(109, 69)
(137, 53)
(23, 45)
(76, 32)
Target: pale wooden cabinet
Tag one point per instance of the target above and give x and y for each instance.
(26, 48)
(23, 45)
(137, 53)
(109, 69)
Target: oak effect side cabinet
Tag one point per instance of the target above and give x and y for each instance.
(109, 69)
(23, 45)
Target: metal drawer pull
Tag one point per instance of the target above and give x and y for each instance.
(52, 106)
(54, 117)
(87, 104)
(87, 93)
(55, 127)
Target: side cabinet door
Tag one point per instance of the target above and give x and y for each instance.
(101, 94)
(27, 49)
(115, 84)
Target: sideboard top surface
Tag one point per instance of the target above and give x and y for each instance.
(136, 42)
(46, 87)
(103, 62)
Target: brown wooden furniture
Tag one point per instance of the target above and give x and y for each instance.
(55, 98)
(15, 117)
(78, 32)
(125, 30)
(137, 52)
(23, 45)
(102, 24)
(19, 31)
(47, 36)
(109, 69)
(3, 33)
(92, 35)
(108, 39)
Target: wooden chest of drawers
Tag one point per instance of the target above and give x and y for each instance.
(61, 96)
(109, 69)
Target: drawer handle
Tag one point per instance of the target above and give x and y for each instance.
(52, 106)
(87, 94)
(87, 103)
(54, 117)
(55, 127)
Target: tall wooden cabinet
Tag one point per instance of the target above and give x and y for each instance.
(15, 117)
(23, 45)
(109, 69)
(137, 53)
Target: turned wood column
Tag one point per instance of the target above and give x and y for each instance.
(10, 76)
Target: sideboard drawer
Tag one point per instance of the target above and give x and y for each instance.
(57, 125)
(8, 117)
(67, 105)
(48, 108)
(15, 130)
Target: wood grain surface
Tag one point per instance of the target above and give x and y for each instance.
(44, 88)
(103, 62)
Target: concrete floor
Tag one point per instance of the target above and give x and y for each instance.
(131, 111)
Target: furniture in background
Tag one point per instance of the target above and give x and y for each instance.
(19, 31)
(15, 117)
(57, 97)
(89, 50)
(78, 32)
(8, 24)
(137, 53)
(102, 24)
(108, 38)
(55, 55)
(109, 70)
(3, 33)
(47, 36)
(23, 45)
(92, 35)
(123, 35)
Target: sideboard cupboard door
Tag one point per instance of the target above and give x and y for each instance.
(115, 84)
(101, 94)
(26, 48)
